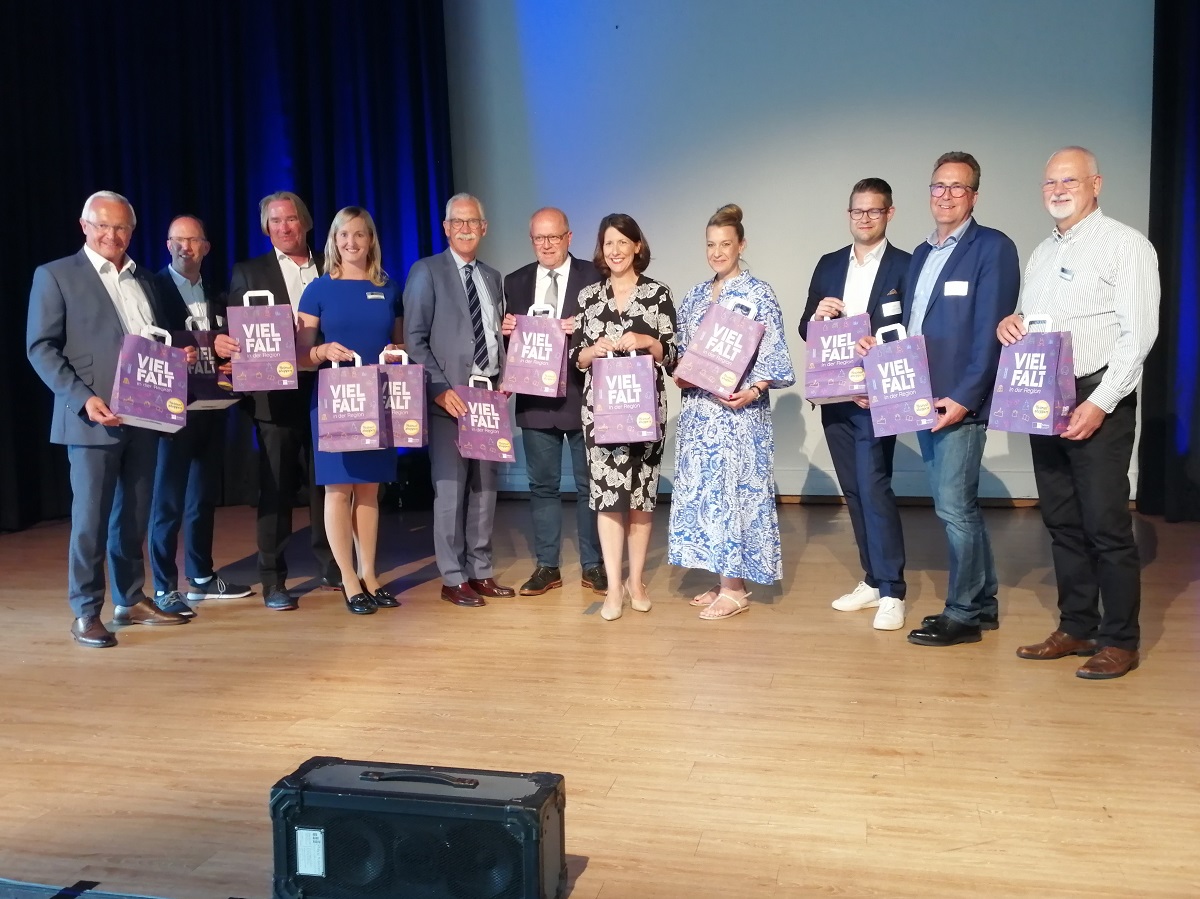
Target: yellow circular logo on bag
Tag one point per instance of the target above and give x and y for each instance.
(644, 421)
(285, 369)
(174, 404)
(549, 378)
(1041, 410)
(412, 427)
(857, 374)
(368, 429)
(503, 445)
(921, 407)
(728, 379)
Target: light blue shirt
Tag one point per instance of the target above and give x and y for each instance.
(487, 310)
(930, 272)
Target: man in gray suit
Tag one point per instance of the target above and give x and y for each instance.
(80, 309)
(452, 313)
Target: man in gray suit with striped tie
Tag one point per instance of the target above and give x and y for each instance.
(452, 313)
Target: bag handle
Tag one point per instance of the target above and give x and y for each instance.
(357, 361)
(384, 361)
(1039, 318)
(487, 382)
(891, 329)
(541, 309)
(152, 332)
(258, 293)
(196, 323)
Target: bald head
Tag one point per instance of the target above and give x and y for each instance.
(551, 236)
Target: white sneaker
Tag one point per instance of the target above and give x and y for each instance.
(861, 597)
(890, 616)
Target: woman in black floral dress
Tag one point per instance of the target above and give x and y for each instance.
(625, 312)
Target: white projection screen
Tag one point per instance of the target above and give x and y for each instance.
(667, 109)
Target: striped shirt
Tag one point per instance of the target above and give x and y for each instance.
(1100, 282)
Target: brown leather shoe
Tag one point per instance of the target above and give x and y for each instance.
(90, 631)
(1058, 645)
(488, 587)
(1111, 661)
(145, 612)
(462, 595)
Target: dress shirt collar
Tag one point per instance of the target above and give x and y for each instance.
(1080, 228)
(183, 283)
(563, 270)
(954, 237)
(281, 256)
(460, 262)
(874, 256)
(99, 262)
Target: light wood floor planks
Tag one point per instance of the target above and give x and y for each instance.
(788, 752)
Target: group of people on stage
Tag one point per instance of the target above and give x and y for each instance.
(961, 289)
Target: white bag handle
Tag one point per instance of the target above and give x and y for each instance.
(196, 323)
(541, 309)
(1045, 320)
(152, 332)
(891, 329)
(384, 361)
(487, 382)
(357, 361)
(258, 293)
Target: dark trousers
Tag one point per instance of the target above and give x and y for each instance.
(863, 463)
(185, 490)
(543, 465)
(285, 461)
(110, 504)
(1084, 496)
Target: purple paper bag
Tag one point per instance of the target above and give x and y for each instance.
(208, 388)
(267, 334)
(1035, 382)
(624, 400)
(348, 405)
(485, 429)
(536, 361)
(833, 371)
(150, 389)
(404, 414)
(722, 349)
(898, 385)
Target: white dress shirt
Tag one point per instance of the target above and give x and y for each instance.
(542, 285)
(296, 277)
(860, 278)
(193, 295)
(125, 292)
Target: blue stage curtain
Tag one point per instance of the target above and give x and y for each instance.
(1169, 454)
(204, 108)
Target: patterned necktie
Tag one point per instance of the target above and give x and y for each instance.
(552, 292)
(481, 350)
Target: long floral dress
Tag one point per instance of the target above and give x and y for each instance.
(723, 516)
(624, 476)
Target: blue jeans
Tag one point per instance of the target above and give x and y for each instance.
(543, 465)
(952, 458)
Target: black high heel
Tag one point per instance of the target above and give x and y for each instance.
(383, 599)
(359, 603)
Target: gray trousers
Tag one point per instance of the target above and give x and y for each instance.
(464, 505)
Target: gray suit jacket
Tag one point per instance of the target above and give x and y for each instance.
(437, 322)
(73, 339)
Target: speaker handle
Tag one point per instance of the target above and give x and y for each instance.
(462, 783)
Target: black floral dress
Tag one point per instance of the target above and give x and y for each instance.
(625, 476)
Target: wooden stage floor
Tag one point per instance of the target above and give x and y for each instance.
(789, 752)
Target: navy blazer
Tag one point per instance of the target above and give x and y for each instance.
(566, 412)
(829, 280)
(174, 307)
(73, 339)
(960, 330)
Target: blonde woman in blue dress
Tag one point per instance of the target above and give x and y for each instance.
(723, 516)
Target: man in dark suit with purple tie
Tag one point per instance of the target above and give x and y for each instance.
(555, 279)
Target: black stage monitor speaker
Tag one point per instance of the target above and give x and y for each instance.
(351, 830)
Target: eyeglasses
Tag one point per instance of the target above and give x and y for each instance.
(873, 214)
(188, 241)
(459, 224)
(955, 190)
(549, 240)
(110, 229)
(1050, 185)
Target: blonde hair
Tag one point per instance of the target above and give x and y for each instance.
(301, 210)
(333, 259)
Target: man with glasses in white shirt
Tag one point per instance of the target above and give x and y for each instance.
(1098, 280)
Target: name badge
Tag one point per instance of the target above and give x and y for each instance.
(892, 308)
(1066, 274)
(956, 288)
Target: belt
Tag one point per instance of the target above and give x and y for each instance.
(1092, 380)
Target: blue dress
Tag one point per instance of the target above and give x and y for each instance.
(361, 316)
(723, 516)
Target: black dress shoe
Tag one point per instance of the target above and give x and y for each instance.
(332, 582)
(359, 603)
(945, 631)
(145, 612)
(90, 631)
(985, 624)
(383, 599)
(595, 579)
(462, 595)
(278, 600)
(543, 580)
(488, 587)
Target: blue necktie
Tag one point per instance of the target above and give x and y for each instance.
(481, 350)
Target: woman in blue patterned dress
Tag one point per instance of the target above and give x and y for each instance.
(355, 308)
(723, 516)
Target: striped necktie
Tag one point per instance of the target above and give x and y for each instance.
(481, 350)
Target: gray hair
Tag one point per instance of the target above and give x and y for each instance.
(111, 196)
(1093, 166)
(301, 210)
(459, 198)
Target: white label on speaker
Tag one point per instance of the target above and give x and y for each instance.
(310, 851)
